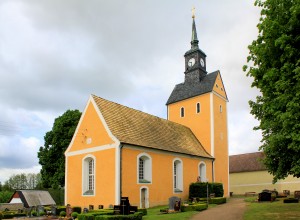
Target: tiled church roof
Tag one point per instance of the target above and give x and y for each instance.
(135, 127)
(246, 162)
(187, 90)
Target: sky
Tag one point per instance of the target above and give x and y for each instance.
(54, 54)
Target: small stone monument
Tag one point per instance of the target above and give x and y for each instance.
(174, 203)
(264, 196)
(297, 195)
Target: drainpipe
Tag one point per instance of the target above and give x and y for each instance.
(213, 170)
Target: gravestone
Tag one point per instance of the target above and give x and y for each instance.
(174, 201)
(69, 211)
(85, 210)
(297, 195)
(264, 196)
(286, 192)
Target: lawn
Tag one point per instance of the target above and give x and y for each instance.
(154, 214)
(271, 211)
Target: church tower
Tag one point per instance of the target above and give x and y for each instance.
(200, 103)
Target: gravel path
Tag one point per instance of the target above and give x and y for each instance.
(232, 210)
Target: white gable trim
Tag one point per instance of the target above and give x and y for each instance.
(92, 149)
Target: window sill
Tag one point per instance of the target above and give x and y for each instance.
(177, 191)
(144, 181)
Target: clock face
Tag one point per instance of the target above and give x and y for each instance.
(202, 62)
(191, 62)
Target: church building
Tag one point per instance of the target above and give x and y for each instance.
(117, 151)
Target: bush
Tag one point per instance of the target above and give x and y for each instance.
(74, 215)
(42, 213)
(34, 213)
(60, 208)
(200, 189)
(219, 200)
(135, 216)
(194, 207)
(1, 216)
(144, 211)
(290, 200)
(77, 209)
(62, 214)
(85, 217)
(8, 215)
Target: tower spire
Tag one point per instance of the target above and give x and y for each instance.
(194, 41)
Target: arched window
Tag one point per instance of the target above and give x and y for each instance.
(202, 172)
(198, 108)
(182, 112)
(177, 176)
(144, 168)
(221, 108)
(88, 177)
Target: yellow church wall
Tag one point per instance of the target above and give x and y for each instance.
(104, 193)
(161, 187)
(221, 142)
(91, 131)
(199, 123)
(256, 181)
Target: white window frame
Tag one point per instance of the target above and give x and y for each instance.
(147, 168)
(177, 175)
(86, 176)
(202, 171)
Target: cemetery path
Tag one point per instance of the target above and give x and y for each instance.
(232, 210)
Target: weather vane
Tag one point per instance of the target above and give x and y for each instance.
(193, 12)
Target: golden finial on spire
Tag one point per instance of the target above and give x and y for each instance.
(193, 12)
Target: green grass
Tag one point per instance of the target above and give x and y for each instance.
(154, 214)
(271, 211)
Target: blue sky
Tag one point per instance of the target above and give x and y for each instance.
(54, 54)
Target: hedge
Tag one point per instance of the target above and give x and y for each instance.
(85, 217)
(144, 211)
(195, 207)
(200, 189)
(135, 216)
(219, 200)
(290, 200)
(77, 209)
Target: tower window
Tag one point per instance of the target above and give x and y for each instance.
(182, 112)
(198, 108)
(221, 108)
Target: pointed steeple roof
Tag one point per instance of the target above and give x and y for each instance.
(194, 41)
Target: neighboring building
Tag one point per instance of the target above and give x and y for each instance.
(32, 198)
(247, 173)
(119, 151)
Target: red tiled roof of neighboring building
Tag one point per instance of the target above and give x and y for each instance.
(246, 162)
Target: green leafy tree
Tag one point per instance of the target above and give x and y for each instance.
(274, 59)
(22, 181)
(51, 155)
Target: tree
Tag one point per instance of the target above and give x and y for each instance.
(51, 155)
(274, 59)
(22, 181)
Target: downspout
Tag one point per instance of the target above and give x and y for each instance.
(213, 170)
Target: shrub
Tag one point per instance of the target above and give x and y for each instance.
(8, 215)
(1, 216)
(42, 213)
(34, 213)
(60, 208)
(144, 211)
(200, 189)
(290, 200)
(77, 209)
(135, 216)
(74, 215)
(62, 214)
(85, 216)
(219, 200)
(194, 207)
